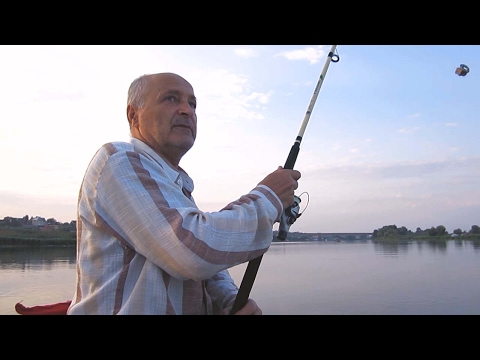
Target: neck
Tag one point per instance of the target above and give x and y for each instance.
(171, 154)
(172, 161)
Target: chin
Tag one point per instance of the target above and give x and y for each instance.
(186, 145)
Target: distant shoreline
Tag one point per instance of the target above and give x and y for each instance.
(25, 242)
(32, 242)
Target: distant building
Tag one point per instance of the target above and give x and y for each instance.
(38, 221)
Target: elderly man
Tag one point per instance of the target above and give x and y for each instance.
(143, 245)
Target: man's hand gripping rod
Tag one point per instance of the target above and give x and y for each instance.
(286, 219)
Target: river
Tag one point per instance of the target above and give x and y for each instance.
(299, 278)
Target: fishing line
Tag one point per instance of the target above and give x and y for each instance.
(308, 201)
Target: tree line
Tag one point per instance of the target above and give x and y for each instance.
(387, 231)
(28, 221)
(392, 231)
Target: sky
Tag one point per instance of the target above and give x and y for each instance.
(393, 138)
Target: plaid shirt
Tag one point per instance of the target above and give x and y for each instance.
(144, 247)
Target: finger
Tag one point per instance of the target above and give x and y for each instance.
(258, 312)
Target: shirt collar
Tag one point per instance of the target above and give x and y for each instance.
(180, 177)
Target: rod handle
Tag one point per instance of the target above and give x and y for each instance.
(246, 285)
(292, 155)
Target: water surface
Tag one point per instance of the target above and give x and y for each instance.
(309, 278)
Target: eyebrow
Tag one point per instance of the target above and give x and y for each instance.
(175, 92)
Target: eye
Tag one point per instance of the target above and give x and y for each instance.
(193, 104)
(171, 98)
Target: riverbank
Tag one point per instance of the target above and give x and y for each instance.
(465, 237)
(33, 242)
(14, 242)
(33, 238)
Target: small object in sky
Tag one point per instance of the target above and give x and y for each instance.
(462, 70)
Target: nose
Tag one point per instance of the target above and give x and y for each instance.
(186, 108)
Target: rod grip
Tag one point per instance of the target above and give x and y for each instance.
(246, 285)
(292, 156)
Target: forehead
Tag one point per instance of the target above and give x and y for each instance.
(162, 83)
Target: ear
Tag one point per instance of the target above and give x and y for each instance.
(132, 116)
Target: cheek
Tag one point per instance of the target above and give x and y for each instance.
(155, 130)
(161, 126)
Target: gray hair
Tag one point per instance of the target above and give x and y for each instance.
(136, 91)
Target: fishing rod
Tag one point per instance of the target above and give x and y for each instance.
(290, 214)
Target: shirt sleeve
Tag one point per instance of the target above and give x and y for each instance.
(130, 196)
(222, 291)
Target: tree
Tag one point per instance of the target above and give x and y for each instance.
(402, 231)
(458, 231)
(475, 229)
(52, 221)
(441, 230)
(419, 231)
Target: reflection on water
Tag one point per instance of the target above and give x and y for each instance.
(476, 244)
(323, 277)
(399, 247)
(391, 248)
(35, 276)
(20, 257)
(368, 278)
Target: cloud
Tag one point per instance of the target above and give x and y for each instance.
(464, 170)
(407, 131)
(246, 53)
(45, 95)
(312, 54)
(262, 98)
(228, 96)
(368, 196)
(451, 124)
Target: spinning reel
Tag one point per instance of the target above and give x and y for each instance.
(289, 216)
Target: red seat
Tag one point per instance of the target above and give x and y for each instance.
(48, 309)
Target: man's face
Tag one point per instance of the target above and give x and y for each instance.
(167, 121)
